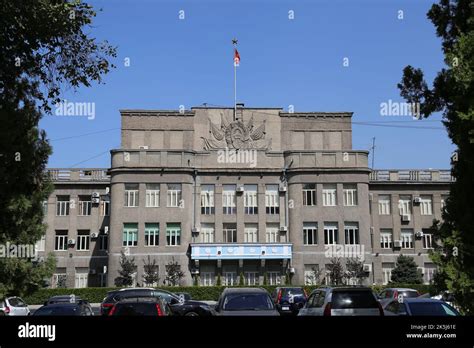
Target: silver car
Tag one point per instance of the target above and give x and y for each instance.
(347, 301)
(13, 306)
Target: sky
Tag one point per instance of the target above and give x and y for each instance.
(319, 55)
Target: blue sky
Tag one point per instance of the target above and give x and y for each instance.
(284, 62)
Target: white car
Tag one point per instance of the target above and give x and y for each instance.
(13, 306)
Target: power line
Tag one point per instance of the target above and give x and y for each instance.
(85, 134)
(88, 159)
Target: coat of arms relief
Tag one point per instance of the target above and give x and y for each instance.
(236, 135)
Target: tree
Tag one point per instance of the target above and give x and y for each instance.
(314, 276)
(336, 272)
(173, 273)
(452, 94)
(44, 47)
(241, 279)
(150, 272)
(406, 271)
(127, 271)
(355, 271)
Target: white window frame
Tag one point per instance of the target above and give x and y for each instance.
(131, 196)
(386, 239)
(427, 240)
(274, 278)
(57, 278)
(207, 278)
(230, 279)
(152, 195)
(40, 244)
(272, 233)
(350, 195)
(251, 233)
(386, 275)
(103, 242)
(272, 199)
(173, 235)
(63, 206)
(251, 278)
(351, 233)
(329, 195)
(81, 280)
(406, 237)
(61, 240)
(331, 234)
(428, 273)
(251, 199)
(404, 205)
(83, 241)
(131, 235)
(384, 204)
(207, 233)
(229, 231)
(207, 199)
(174, 195)
(229, 200)
(311, 193)
(85, 207)
(152, 231)
(426, 205)
(310, 228)
(104, 207)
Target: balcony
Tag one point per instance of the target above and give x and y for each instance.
(241, 251)
(79, 174)
(411, 175)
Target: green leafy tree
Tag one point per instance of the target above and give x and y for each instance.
(218, 281)
(452, 94)
(336, 272)
(45, 46)
(406, 271)
(314, 276)
(174, 274)
(265, 279)
(241, 279)
(150, 272)
(355, 271)
(127, 270)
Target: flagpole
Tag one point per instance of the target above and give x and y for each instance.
(234, 42)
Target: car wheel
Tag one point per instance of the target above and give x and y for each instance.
(191, 314)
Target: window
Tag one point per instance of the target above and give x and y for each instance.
(274, 278)
(81, 278)
(174, 195)
(207, 199)
(230, 233)
(251, 278)
(387, 272)
(173, 234)
(45, 208)
(228, 199)
(384, 205)
(250, 199)
(404, 204)
(272, 233)
(152, 195)
(407, 238)
(426, 205)
(83, 240)
(39, 246)
(329, 195)
(427, 240)
(386, 238)
(85, 205)
(250, 233)
(310, 233)
(272, 199)
(105, 208)
(103, 241)
(207, 278)
(351, 233)
(330, 233)
(230, 278)
(59, 280)
(62, 205)
(429, 273)
(311, 274)
(350, 194)
(60, 241)
(309, 194)
(207, 233)
(130, 234)
(152, 234)
(131, 195)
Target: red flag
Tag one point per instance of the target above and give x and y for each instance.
(236, 57)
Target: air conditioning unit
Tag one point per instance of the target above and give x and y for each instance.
(94, 235)
(194, 230)
(406, 217)
(143, 147)
(95, 194)
(282, 188)
(71, 241)
(240, 189)
(397, 244)
(92, 271)
(95, 200)
(106, 230)
(417, 200)
(367, 267)
(419, 234)
(283, 229)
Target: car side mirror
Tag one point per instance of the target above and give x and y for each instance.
(174, 301)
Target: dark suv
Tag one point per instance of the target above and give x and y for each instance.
(141, 306)
(289, 300)
(178, 304)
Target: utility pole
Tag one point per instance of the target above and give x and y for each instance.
(373, 151)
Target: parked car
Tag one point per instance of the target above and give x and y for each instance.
(447, 297)
(13, 306)
(179, 306)
(289, 300)
(344, 301)
(419, 307)
(389, 294)
(245, 302)
(63, 299)
(65, 309)
(141, 306)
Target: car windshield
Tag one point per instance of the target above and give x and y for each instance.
(136, 309)
(353, 299)
(59, 310)
(432, 308)
(292, 291)
(408, 293)
(244, 302)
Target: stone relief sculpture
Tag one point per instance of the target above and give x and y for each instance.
(236, 135)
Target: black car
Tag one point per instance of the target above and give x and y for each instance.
(245, 302)
(141, 306)
(289, 300)
(64, 299)
(179, 305)
(64, 309)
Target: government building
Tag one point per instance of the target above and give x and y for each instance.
(259, 192)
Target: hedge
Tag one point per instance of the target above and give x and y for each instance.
(200, 293)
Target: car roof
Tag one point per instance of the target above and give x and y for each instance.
(400, 289)
(63, 296)
(244, 290)
(64, 304)
(421, 299)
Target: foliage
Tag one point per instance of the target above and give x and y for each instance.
(452, 94)
(127, 269)
(241, 279)
(150, 272)
(336, 272)
(355, 271)
(406, 271)
(174, 274)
